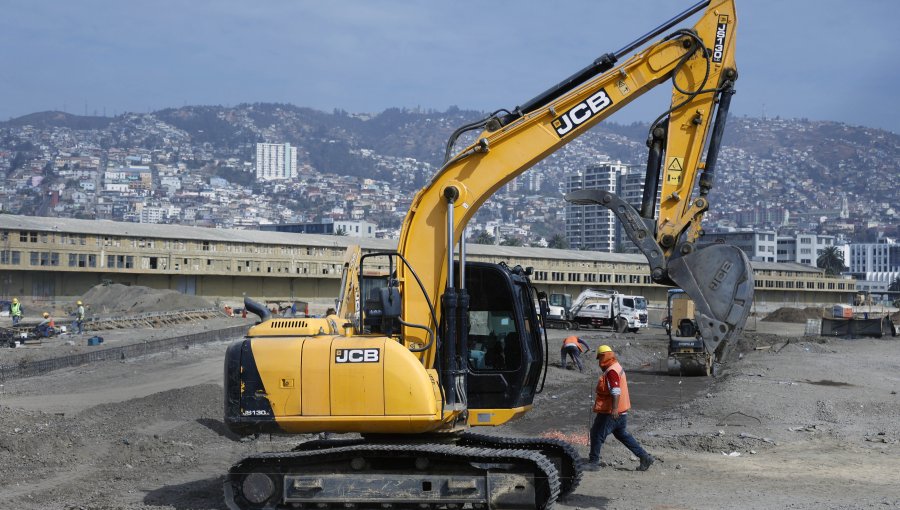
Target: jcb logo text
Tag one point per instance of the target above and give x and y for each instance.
(356, 355)
(581, 112)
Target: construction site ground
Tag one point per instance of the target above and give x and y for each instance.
(793, 422)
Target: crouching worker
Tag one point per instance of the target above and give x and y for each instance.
(46, 328)
(611, 403)
(573, 347)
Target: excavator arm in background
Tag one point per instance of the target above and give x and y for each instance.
(700, 63)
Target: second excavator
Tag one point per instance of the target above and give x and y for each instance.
(427, 346)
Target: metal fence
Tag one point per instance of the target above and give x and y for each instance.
(33, 368)
(150, 319)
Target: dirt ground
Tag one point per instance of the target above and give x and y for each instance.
(792, 422)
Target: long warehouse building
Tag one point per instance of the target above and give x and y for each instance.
(54, 259)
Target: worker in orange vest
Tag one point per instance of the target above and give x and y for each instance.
(611, 403)
(572, 347)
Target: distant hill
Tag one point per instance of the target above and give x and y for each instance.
(804, 166)
(44, 120)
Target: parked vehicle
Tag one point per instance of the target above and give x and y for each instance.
(609, 308)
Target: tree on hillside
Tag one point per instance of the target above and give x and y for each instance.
(832, 261)
(558, 241)
(511, 241)
(482, 237)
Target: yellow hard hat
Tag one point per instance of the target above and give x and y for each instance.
(15, 300)
(602, 349)
(78, 303)
(46, 314)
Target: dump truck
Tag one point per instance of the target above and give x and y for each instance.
(610, 309)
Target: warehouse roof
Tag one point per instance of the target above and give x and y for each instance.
(164, 231)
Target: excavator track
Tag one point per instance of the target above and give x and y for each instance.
(423, 476)
(562, 454)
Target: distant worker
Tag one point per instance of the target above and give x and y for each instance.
(15, 309)
(294, 309)
(45, 328)
(573, 347)
(79, 318)
(611, 404)
(330, 311)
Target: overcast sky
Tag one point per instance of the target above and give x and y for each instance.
(819, 59)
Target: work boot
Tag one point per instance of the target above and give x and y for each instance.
(591, 466)
(646, 462)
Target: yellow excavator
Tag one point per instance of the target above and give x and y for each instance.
(425, 346)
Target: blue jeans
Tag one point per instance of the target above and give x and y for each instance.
(604, 424)
(574, 352)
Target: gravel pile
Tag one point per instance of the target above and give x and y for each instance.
(135, 299)
(795, 315)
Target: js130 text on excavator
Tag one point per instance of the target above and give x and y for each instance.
(426, 346)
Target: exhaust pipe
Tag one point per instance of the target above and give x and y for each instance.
(257, 308)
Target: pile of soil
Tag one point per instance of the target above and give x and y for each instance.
(796, 315)
(135, 299)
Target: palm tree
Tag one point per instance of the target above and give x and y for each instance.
(832, 261)
(895, 285)
(894, 288)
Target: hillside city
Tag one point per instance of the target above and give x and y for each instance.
(198, 166)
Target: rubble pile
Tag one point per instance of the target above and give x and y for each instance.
(134, 299)
(796, 315)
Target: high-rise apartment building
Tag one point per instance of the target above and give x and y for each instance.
(593, 227)
(275, 161)
(631, 189)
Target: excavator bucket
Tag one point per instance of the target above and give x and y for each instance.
(718, 278)
(720, 281)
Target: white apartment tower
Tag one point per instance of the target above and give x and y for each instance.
(593, 227)
(275, 161)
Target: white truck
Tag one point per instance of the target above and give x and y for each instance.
(555, 310)
(609, 308)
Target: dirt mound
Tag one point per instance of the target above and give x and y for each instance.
(786, 314)
(134, 299)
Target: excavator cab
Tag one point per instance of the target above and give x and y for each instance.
(505, 351)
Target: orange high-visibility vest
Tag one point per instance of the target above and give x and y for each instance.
(573, 340)
(603, 400)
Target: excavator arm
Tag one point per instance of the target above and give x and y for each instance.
(699, 62)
